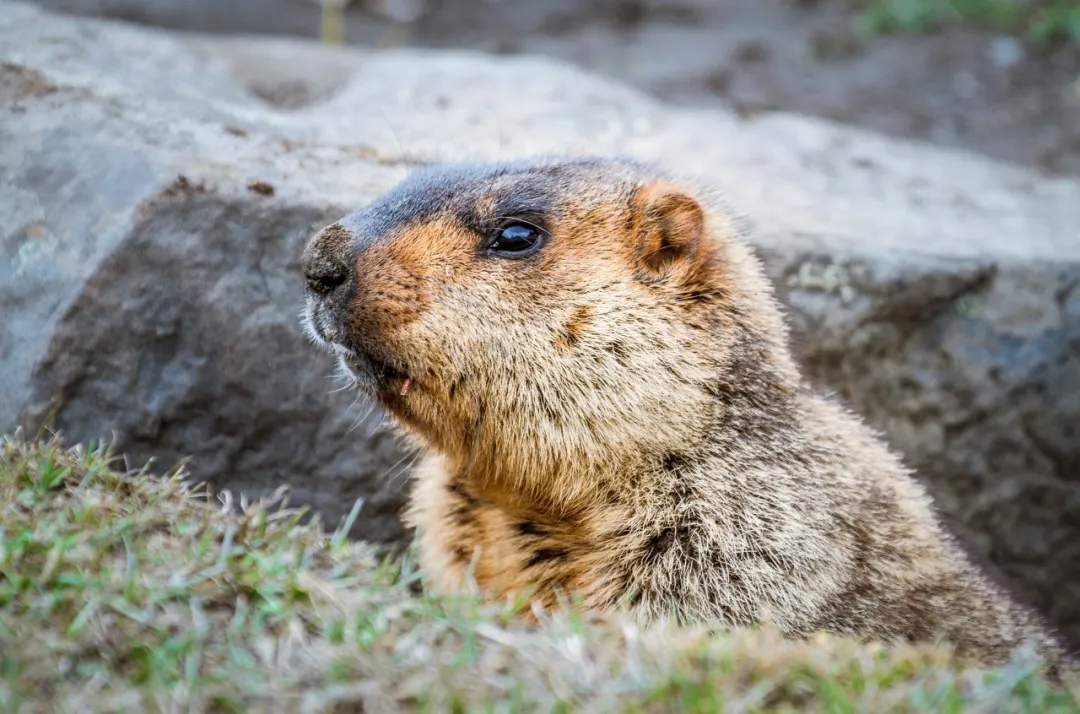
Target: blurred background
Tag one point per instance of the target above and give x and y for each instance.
(1001, 77)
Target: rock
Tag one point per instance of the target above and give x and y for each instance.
(1006, 52)
(150, 286)
(367, 21)
(151, 292)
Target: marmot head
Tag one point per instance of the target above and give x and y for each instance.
(539, 316)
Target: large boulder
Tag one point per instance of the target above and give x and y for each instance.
(367, 21)
(157, 189)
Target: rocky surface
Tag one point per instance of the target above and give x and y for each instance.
(960, 84)
(156, 192)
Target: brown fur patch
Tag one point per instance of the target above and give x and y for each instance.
(544, 555)
(530, 528)
(401, 274)
(573, 328)
(671, 225)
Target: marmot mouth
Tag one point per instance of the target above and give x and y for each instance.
(384, 376)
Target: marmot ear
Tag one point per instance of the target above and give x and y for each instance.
(670, 225)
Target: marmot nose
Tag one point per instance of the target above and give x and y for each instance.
(324, 283)
(324, 261)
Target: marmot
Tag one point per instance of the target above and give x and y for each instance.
(599, 372)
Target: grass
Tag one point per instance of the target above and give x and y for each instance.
(1037, 21)
(124, 592)
(332, 16)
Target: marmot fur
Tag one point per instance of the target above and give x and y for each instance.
(599, 373)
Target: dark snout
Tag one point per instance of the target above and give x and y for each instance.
(326, 261)
(343, 313)
(329, 275)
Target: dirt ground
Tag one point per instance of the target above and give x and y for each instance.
(959, 87)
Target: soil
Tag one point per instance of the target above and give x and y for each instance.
(959, 87)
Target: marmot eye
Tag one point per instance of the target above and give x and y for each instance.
(516, 240)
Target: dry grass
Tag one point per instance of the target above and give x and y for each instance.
(120, 591)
